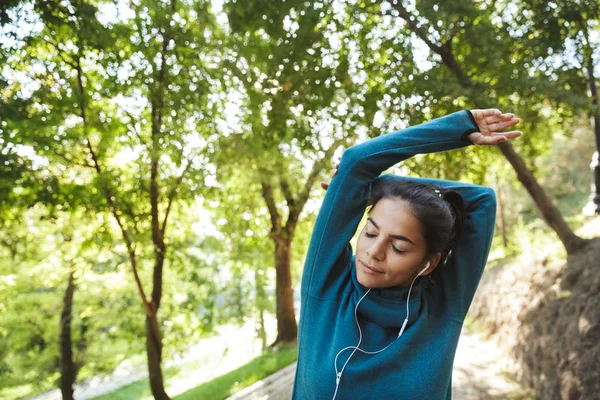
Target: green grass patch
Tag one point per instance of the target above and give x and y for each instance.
(257, 369)
(220, 387)
(135, 390)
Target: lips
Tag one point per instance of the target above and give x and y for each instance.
(368, 269)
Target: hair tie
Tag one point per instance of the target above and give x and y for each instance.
(438, 193)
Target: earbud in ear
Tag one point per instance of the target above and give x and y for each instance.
(426, 266)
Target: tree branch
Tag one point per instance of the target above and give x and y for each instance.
(135, 130)
(422, 34)
(285, 188)
(452, 34)
(444, 51)
(172, 196)
(67, 156)
(267, 194)
(73, 64)
(310, 181)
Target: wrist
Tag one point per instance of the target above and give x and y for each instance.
(472, 117)
(467, 136)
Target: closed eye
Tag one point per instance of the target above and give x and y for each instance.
(397, 250)
(394, 248)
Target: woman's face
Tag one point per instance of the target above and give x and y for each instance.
(391, 249)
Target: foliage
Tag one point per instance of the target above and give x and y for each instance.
(83, 97)
(107, 326)
(32, 288)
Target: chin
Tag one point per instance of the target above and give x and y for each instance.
(369, 281)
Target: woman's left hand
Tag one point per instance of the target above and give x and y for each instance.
(333, 173)
(491, 122)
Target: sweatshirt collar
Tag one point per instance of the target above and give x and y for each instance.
(387, 306)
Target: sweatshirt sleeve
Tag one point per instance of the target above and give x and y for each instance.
(346, 199)
(462, 273)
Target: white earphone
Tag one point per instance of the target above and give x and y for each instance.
(406, 319)
(425, 269)
(338, 375)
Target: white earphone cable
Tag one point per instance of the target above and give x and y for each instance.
(338, 375)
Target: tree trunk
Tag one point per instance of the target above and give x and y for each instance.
(153, 336)
(82, 344)
(287, 328)
(154, 354)
(260, 305)
(594, 96)
(595, 195)
(502, 209)
(68, 370)
(548, 210)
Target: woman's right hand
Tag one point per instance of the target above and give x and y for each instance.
(491, 122)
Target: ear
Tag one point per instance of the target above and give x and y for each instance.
(434, 260)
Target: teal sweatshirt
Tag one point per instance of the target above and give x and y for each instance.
(417, 366)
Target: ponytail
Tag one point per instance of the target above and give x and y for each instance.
(459, 213)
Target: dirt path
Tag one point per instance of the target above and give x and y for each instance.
(483, 372)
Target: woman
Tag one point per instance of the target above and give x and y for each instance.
(385, 323)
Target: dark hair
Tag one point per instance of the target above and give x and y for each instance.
(442, 218)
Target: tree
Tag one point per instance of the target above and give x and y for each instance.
(459, 37)
(135, 87)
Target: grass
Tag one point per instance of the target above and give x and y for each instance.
(220, 387)
(135, 390)
(225, 385)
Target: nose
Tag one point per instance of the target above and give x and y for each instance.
(377, 250)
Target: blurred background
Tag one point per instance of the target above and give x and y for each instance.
(160, 165)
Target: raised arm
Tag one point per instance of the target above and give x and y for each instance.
(348, 193)
(347, 196)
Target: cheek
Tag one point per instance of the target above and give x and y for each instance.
(360, 241)
(401, 264)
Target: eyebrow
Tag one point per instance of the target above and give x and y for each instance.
(399, 237)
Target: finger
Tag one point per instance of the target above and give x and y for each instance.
(503, 124)
(511, 134)
(498, 118)
(495, 138)
(490, 140)
(502, 137)
(490, 112)
(324, 185)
